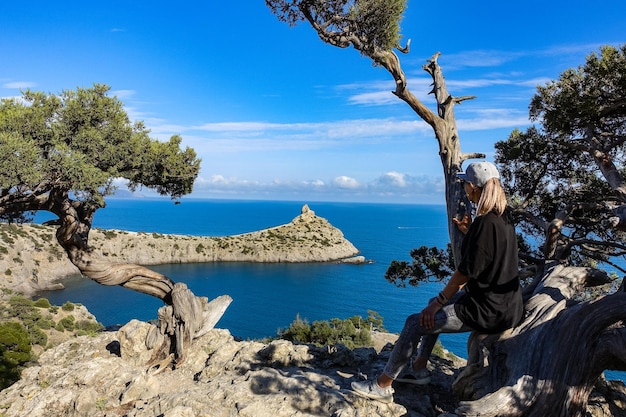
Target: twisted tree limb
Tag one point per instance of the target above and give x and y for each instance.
(185, 316)
(549, 363)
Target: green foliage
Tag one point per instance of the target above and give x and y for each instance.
(572, 164)
(67, 306)
(37, 336)
(88, 327)
(80, 141)
(42, 303)
(67, 323)
(109, 234)
(29, 315)
(22, 308)
(428, 264)
(352, 332)
(368, 25)
(15, 351)
(298, 331)
(374, 321)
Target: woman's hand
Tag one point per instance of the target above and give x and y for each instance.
(427, 316)
(463, 224)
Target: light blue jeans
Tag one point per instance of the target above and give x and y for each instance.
(415, 337)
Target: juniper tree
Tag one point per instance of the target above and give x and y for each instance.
(549, 363)
(62, 154)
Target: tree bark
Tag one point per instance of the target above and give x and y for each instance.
(443, 124)
(185, 316)
(549, 363)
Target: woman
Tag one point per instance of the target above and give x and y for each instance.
(488, 272)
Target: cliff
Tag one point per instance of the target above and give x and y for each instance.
(31, 260)
(108, 375)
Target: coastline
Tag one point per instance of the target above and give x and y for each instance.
(31, 260)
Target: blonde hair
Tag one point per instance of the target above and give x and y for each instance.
(492, 198)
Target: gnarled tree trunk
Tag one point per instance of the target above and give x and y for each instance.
(185, 316)
(548, 364)
(444, 126)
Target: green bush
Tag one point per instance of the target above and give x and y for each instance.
(37, 336)
(67, 323)
(353, 332)
(45, 323)
(321, 332)
(68, 306)
(88, 327)
(15, 351)
(298, 331)
(42, 303)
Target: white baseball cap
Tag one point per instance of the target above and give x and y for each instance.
(478, 173)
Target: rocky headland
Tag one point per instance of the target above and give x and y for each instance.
(31, 259)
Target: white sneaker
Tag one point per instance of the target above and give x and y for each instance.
(373, 391)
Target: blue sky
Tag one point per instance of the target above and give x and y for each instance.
(275, 113)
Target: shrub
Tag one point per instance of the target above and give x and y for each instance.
(37, 336)
(298, 331)
(67, 323)
(109, 234)
(353, 332)
(68, 306)
(42, 303)
(45, 323)
(15, 351)
(88, 327)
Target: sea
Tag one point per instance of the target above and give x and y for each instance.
(268, 297)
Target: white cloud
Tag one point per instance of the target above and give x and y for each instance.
(346, 182)
(19, 85)
(123, 94)
(394, 179)
(390, 187)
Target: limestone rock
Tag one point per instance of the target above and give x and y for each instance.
(223, 377)
(31, 260)
(93, 376)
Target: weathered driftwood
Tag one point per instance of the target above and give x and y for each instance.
(549, 364)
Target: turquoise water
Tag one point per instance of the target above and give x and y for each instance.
(267, 297)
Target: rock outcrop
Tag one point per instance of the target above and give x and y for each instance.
(107, 376)
(31, 260)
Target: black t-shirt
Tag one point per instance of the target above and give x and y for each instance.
(493, 298)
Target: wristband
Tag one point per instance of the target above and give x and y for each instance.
(443, 297)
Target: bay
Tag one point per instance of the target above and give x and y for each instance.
(268, 297)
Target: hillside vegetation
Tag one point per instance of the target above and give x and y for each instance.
(31, 259)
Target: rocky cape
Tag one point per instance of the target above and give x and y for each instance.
(31, 259)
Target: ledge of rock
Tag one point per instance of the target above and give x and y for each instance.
(107, 375)
(31, 260)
